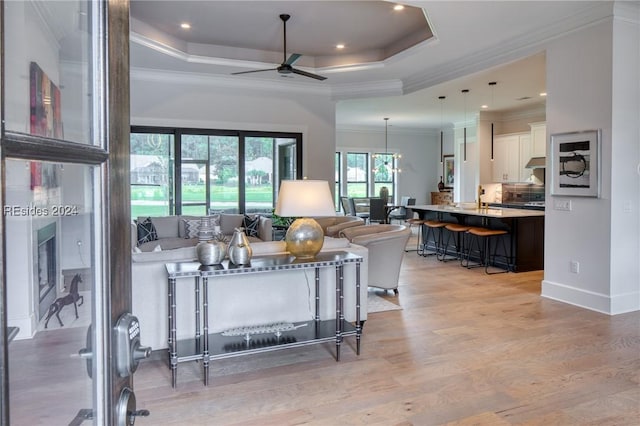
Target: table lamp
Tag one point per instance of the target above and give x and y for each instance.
(302, 198)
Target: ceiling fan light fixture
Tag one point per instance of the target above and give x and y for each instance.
(286, 67)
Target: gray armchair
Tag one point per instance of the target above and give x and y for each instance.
(386, 244)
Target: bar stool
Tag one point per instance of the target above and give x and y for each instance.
(457, 231)
(432, 226)
(482, 238)
(414, 221)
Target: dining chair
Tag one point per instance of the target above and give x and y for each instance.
(400, 214)
(360, 212)
(346, 208)
(377, 210)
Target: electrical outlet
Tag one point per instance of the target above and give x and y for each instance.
(564, 205)
(574, 266)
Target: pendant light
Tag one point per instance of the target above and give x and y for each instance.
(492, 84)
(442, 98)
(394, 156)
(465, 92)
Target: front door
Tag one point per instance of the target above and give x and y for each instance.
(66, 209)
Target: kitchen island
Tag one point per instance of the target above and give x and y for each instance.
(525, 238)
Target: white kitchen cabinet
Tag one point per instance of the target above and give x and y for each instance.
(538, 139)
(524, 157)
(506, 158)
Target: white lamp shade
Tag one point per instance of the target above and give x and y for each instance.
(298, 198)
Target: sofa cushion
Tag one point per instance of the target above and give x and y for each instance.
(169, 244)
(191, 228)
(177, 255)
(229, 222)
(182, 224)
(166, 226)
(250, 225)
(146, 231)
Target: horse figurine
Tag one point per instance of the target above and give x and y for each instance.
(61, 302)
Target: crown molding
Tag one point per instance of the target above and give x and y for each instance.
(361, 129)
(366, 90)
(512, 50)
(218, 81)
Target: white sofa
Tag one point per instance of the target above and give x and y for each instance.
(172, 234)
(241, 300)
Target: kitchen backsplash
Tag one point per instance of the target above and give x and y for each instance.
(522, 193)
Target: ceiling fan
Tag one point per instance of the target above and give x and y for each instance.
(286, 67)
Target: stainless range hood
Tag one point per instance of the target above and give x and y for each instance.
(536, 163)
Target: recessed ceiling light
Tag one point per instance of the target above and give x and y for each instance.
(185, 25)
(543, 94)
(339, 46)
(484, 106)
(398, 7)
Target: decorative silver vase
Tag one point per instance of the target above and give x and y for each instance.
(205, 233)
(211, 252)
(239, 250)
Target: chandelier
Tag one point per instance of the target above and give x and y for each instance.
(389, 160)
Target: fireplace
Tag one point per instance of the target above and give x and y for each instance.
(47, 274)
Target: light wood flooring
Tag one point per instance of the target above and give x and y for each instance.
(466, 349)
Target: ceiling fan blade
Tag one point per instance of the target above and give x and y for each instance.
(248, 72)
(307, 74)
(293, 58)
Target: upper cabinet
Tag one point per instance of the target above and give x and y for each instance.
(506, 157)
(538, 139)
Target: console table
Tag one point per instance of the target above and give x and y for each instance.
(204, 346)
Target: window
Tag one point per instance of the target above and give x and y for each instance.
(212, 170)
(357, 174)
(383, 175)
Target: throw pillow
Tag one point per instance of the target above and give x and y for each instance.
(157, 248)
(250, 225)
(146, 231)
(214, 220)
(191, 228)
(137, 250)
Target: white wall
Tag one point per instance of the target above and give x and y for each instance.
(588, 87)
(420, 162)
(196, 101)
(625, 155)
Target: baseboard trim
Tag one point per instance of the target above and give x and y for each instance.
(610, 305)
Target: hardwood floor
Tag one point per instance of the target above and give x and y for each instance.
(466, 349)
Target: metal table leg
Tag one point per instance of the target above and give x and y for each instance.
(205, 329)
(358, 322)
(173, 344)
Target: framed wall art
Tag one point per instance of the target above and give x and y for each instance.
(448, 171)
(46, 112)
(575, 164)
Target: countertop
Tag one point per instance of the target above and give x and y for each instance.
(489, 212)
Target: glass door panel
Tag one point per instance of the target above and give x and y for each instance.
(51, 277)
(152, 166)
(47, 50)
(194, 174)
(259, 173)
(224, 183)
